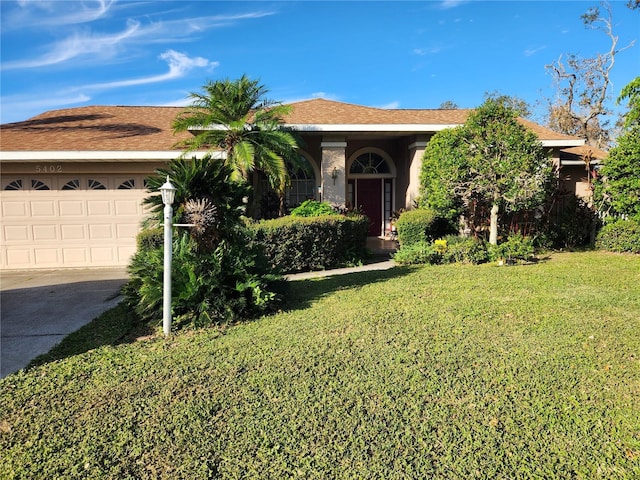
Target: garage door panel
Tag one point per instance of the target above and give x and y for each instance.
(16, 233)
(45, 232)
(72, 208)
(127, 207)
(18, 257)
(46, 256)
(73, 232)
(43, 208)
(98, 207)
(102, 255)
(100, 232)
(74, 256)
(127, 230)
(14, 209)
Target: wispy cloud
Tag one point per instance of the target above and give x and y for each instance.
(39, 13)
(75, 46)
(390, 105)
(179, 65)
(92, 46)
(532, 51)
(427, 51)
(447, 4)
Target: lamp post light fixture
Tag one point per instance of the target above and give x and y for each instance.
(334, 175)
(168, 192)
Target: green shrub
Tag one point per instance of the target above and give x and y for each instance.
(451, 249)
(418, 253)
(150, 238)
(420, 225)
(620, 236)
(228, 284)
(295, 244)
(465, 250)
(573, 226)
(312, 208)
(515, 248)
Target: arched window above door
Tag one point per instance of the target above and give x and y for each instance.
(370, 163)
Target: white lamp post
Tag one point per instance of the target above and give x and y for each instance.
(168, 192)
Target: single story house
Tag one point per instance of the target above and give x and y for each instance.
(73, 180)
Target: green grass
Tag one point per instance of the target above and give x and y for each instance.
(450, 372)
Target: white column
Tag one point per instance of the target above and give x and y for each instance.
(333, 165)
(416, 151)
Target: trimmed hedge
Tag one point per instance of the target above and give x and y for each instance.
(420, 225)
(296, 244)
(620, 236)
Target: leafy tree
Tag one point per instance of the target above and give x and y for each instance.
(491, 158)
(620, 186)
(233, 116)
(631, 92)
(508, 165)
(583, 86)
(618, 189)
(444, 168)
(517, 104)
(448, 105)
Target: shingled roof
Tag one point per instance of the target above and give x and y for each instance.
(126, 128)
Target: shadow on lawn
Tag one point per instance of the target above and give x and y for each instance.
(116, 326)
(301, 293)
(121, 326)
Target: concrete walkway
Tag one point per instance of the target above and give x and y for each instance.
(39, 308)
(375, 265)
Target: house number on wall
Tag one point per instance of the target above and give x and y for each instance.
(48, 168)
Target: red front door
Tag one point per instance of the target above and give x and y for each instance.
(369, 198)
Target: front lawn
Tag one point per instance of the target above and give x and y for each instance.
(451, 372)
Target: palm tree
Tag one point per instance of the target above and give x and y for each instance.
(234, 117)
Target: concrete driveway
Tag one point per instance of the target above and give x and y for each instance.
(39, 308)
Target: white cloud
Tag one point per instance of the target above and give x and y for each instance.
(179, 65)
(38, 13)
(427, 51)
(76, 46)
(447, 4)
(390, 106)
(97, 46)
(182, 102)
(532, 51)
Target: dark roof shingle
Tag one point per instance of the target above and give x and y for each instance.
(124, 128)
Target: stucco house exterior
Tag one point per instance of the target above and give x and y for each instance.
(73, 180)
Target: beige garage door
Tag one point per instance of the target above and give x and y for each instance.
(79, 221)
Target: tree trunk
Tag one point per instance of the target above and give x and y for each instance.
(493, 229)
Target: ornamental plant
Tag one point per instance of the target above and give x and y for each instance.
(217, 276)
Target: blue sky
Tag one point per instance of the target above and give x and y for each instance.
(402, 54)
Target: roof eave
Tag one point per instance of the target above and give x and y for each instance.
(569, 142)
(375, 128)
(95, 155)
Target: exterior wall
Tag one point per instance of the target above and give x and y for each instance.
(574, 180)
